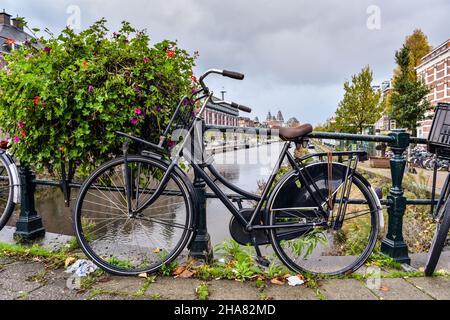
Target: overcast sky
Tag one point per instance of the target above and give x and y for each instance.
(295, 54)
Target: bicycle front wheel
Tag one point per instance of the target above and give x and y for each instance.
(316, 243)
(6, 192)
(440, 236)
(153, 235)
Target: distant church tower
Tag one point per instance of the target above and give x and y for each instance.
(280, 117)
(269, 117)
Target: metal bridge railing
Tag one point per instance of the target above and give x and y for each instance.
(29, 225)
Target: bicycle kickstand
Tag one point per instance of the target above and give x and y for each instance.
(259, 257)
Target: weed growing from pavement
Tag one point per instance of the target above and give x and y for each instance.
(40, 277)
(202, 291)
(52, 259)
(141, 292)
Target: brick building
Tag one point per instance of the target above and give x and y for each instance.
(435, 72)
(221, 115)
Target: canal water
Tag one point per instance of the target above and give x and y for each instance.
(246, 168)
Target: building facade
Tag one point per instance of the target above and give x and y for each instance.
(274, 122)
(12, 35)
(385, 124)
(435, 72)
(221, 115)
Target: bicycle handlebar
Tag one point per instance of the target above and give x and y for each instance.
(225, 73)
(233, 75)
(241, 107)
(229, 74)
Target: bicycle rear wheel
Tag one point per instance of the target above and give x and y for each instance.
(129, 244)
(315, 244)
(6, 192)
(440, 236)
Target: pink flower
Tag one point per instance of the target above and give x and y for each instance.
(16, 139)
(20, 124)
(91, 88)
(134, 121)
(137, 111)
(146, 59)
(47, 49)
(158, 109)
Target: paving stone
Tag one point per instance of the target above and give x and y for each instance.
(287, 292)
(437, 287)
(399, 289)
(55, 292)
(174, 289)
(345, 289)
(7, 294)
(232, 290)
(15, 277)
(419, 261)
(118, 297)
(125, 285)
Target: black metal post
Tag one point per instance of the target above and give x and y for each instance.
(201, 246)
(394, 245)
(29, 226)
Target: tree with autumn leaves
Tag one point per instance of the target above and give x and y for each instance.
(360, 106)
(64, 100)
(407, 103)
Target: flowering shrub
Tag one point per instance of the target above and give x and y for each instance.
(64, 99)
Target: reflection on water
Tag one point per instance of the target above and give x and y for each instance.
(243, 167)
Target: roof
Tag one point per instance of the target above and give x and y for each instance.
(223, 108)
(10, 32)
(435, 53)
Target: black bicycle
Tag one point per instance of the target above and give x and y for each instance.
(138, 212)
(439, 144)
(442, 218)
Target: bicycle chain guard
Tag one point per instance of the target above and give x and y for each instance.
(242, 236)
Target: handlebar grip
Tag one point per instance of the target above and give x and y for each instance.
(240, 107)
(233, 75)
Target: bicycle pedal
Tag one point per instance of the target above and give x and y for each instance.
(263, 261)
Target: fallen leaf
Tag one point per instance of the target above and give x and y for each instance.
(186, 274)
(157, 250)
(277, 281)
(143, 275)
(69, 261)
(384, 288)
(179, 270)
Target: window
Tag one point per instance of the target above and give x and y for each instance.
(393, 124)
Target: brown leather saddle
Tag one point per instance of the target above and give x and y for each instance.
(294, 134)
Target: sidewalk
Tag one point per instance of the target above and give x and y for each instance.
(31, 279)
